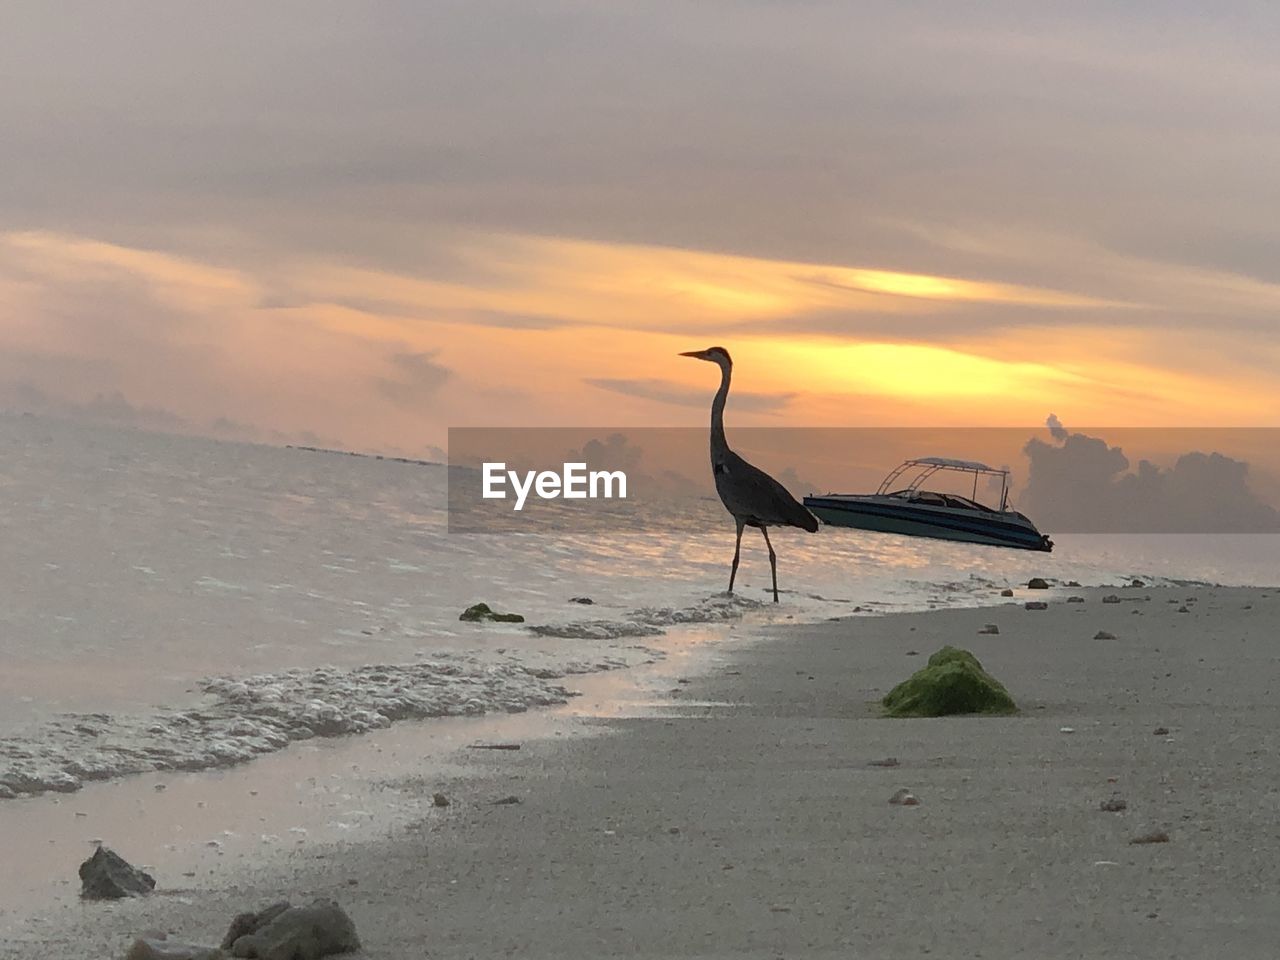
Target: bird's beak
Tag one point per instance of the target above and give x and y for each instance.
(696, 354)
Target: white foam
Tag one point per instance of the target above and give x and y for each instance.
(650, 621)
(240, 718)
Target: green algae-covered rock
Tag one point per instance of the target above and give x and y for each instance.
(480, 611)
(952, 682)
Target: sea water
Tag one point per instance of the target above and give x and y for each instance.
(172, 602)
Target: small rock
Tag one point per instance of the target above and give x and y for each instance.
(1137, 583)
(1066, 729)
(108, 876)
(1006, 592)
(439, 800)
(1075, 599)
(1154, 836)
(246, 923)
(886, 762)
(913, 653)
(1160, 732)
(1110, 598)
(989, 628)
(1035, 605)
(1183, 609)
(285, 932)
(1114, 805)
(905, 798)
(505, 801)
(1104, 635)
(161, 948)
(1072, 583)
(479, 612)
(585, 601)
(1037, 583)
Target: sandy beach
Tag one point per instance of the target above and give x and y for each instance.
(748, 816)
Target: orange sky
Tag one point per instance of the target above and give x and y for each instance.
(550, 331)
(965, 218)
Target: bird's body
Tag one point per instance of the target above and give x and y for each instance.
(753, 497)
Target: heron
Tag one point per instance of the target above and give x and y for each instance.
(753, 497)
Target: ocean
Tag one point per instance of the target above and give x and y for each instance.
(173, 602)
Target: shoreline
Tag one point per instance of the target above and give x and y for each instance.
(747, 821)
(212, 820)
(223, 719)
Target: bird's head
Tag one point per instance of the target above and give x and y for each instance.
(712, 354)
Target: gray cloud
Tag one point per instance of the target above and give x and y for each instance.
(415, 380)
(666, 391)
(646, 123)
(1082, 484)
(232, 429)
(479, 318)
(113, 408)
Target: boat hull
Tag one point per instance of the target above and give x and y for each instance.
(872, 513)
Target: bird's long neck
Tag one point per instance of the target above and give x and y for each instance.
(718, 442)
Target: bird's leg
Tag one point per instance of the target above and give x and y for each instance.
(773, 562)
(737, 551)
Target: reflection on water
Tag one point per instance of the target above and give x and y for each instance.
(136, 563)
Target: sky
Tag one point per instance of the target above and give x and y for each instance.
(361, 224)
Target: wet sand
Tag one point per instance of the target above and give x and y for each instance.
(746, 818)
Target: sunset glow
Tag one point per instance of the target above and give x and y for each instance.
(404, 259)
(602, 321)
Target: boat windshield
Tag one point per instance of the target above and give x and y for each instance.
(933, 499)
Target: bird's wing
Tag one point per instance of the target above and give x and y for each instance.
(753, 495)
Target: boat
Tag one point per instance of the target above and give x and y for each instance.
(901, 506)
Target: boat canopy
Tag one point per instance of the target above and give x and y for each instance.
(958, 464)
(928, 466)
